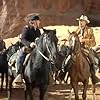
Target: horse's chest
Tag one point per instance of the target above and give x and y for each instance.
(78, 65)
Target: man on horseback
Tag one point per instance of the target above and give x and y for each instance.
(87, 40)
(29, 34)
(85, 33)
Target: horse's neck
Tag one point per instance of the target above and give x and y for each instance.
(78, 53)
(38, 61)
(78, 50)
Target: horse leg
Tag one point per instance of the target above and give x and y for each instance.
(2, 80)
(42, 89)
(66, 79)
(10, 80)
(6, 80)
(85, 84)
(28, 92)
(93, 90)
(25, 92)
(75, 87)
(56, 77)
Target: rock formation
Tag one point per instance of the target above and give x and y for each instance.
(52, 12)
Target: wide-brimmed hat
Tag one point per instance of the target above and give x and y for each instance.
(83, 17)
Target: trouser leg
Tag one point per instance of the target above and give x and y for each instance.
(20, 61)
(89, 55)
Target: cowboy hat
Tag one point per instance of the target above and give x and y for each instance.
(34, 17)
(83, 17)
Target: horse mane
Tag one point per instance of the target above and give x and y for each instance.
(36, 58)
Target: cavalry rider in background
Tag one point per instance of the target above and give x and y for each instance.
(2, 45)
(29, 33)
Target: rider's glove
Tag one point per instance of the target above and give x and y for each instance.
(32, 45)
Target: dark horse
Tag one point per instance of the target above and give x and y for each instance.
(4, 58)
(80, 67)
(62, 52)
(36, 72)
(12, 52)
(13, 49)
(3, 68)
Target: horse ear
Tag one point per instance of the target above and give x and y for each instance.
(55, 31)
(11, 43)
(43, 29)
(69, 31)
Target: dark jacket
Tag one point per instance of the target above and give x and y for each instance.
(29, 34)
(2, 45)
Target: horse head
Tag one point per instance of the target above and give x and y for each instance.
(63, 50)
(74, 42)
(50, 43)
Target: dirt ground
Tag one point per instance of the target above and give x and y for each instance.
(54, 92)
(60, 91)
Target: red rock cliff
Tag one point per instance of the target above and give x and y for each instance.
(52, 12)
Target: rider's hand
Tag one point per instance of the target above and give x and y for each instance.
(79, 35)
(32, 45)
(81, 39)
(24, 48)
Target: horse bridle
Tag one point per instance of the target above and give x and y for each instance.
(46, 58)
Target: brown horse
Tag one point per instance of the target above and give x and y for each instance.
(80, 68)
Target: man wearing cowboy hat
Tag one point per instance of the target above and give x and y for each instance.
(29, 33)
(87, 40)
(85, 32)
